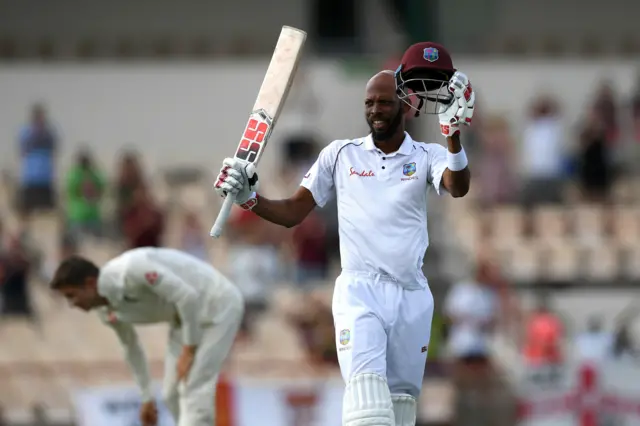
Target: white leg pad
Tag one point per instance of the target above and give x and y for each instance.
(404, 409)
(367, 402)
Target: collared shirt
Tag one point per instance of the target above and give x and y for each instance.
(382, 203)
(152, 285)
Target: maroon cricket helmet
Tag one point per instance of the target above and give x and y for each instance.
(424, 73)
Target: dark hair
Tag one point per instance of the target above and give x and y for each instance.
(73, 271)
(84, 159)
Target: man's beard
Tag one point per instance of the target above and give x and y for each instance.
(381, 136)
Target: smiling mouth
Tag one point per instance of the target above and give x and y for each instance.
(379, 124)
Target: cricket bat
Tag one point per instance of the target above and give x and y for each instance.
(271, 98)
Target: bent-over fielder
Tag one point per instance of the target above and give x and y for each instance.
(382, 305)
(154, 285)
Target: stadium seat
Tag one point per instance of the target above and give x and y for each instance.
(561, 261)
(125, 48)
(521, 263)
(631, 263)
(47, 228)
(8, 48)
(626, 226)
(278, 339)
(629, 46)
(468, 228)
(549, 224)
(601, 263)
(506, 225)
(623, 191)
(285, 299)
(588, 223)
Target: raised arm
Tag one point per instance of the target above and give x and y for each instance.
(240, 178)
(456, 177)
(456, 182)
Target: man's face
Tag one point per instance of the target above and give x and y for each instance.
(84, 297)
(383, 109)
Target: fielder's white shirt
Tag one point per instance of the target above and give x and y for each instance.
(152, 285)
(382, 203)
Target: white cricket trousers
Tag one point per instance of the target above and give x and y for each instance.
(382, 328)
(192, 403)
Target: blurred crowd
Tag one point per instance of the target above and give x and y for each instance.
(552, 162)
(138, 220)
(260, 255)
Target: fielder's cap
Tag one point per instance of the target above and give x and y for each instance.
(427, 56)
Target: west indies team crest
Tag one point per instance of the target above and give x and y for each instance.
(409, 169)
(431, 54)
(345, 336)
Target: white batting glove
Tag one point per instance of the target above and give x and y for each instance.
(461, 109)
(239, 178)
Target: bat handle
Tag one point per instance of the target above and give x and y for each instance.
(223, 215)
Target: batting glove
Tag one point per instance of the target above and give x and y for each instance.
(238, 178)
(461, 109)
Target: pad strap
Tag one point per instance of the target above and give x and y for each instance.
(404, 409)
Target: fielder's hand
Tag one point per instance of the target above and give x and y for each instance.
(185, 362)
(148, 414)
(239, 178)
(461, 109)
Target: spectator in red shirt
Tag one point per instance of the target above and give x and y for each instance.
(143, 221)
(544, 336)
(130, 177)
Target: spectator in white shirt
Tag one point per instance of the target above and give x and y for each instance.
(543, 154)
(594, 344)
(472, 309)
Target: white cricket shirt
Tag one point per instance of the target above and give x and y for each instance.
(152, 285)
(382, 203)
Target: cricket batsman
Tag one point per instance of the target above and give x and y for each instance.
(161, 285)
(382, 304)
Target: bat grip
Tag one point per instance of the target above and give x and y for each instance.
(223, 215)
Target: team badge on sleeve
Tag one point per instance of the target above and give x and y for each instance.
(151, 277)
(345, 336)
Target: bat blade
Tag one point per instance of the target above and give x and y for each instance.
(266, 110)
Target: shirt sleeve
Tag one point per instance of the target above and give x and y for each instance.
(319, 179)
(437, 157)
(134, 355)
(146, 271)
